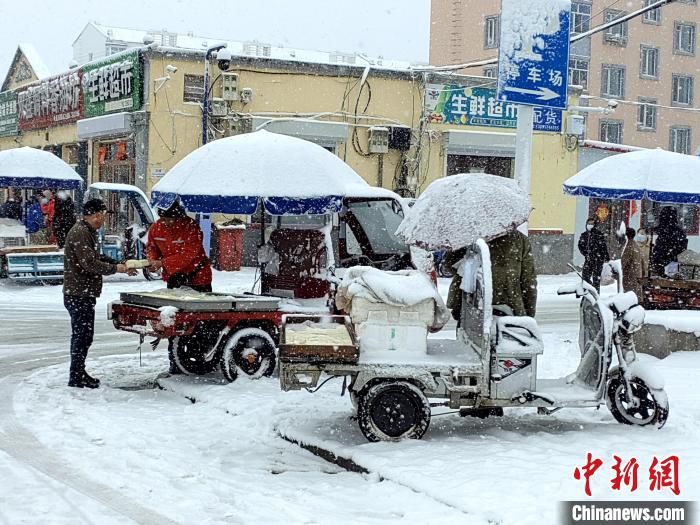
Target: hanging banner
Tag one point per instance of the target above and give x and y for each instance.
(478, 106)
(8, 113)
(112, 85)
(50, 102)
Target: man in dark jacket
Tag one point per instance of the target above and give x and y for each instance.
(513, 278)
(12, 208)
(64, 217)
(82, 284)
(671, 240)
(594, 249)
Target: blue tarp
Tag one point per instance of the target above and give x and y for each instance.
(633, 195)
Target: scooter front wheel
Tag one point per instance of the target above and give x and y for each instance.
(649, 406)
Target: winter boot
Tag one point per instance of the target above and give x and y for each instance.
(89, 381)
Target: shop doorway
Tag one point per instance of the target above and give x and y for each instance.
(117, 164)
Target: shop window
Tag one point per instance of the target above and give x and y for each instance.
(687, 215)
(646, 114)
(683, 38)
(193, 90)
(617, 34)
(682, 87)
(501, 166)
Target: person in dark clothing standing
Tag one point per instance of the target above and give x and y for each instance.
(592, 246)
(671, 240)
(82, 284)
(64, 217)
(12, 207)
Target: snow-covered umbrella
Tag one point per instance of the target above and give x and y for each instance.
(37, 169)
(290, 175)
(455, 211)
(653, 174)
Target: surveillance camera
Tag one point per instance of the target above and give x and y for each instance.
(223, 59)
(170, 69)
(612, 104)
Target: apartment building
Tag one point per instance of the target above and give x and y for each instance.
(648, 64)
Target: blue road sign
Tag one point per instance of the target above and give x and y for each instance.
(534, 52)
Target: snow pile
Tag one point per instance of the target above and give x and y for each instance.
(456, 211)
(678, 320)
(521, 37)
(167, 315)
(11, 228)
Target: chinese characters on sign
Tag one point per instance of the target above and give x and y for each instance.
(663, 474)
(53, 101)
(534, 52)
(454, 104)
(112, 85)
(8, 113)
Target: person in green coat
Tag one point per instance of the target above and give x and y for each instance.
(514, 281)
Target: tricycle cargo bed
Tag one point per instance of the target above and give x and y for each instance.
(318, 339)
(192, 301)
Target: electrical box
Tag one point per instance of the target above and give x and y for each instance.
(219, 108)
(400, 138)
(576, 125)
(378, 139)
(240, 125)
(229, 86)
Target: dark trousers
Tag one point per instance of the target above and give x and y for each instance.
(82, 324)
(591, 274)
(195, 287)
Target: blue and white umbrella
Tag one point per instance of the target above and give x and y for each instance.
(291, 176)
(36, 169)
(652, 174)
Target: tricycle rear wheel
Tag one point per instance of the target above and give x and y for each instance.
(393, 410)
(251, 351)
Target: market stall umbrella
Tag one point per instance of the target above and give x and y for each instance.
(34, 168)
(455, 211)
(290, 175)
(653, 174)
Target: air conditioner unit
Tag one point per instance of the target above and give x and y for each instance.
(229, 86)
(219, 108)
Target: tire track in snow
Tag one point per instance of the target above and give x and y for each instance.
(21, 444)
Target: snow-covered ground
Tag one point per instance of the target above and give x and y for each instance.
(130, 453)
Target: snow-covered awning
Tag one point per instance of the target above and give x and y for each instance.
(34, 168)
(291, 176)
(653, 174)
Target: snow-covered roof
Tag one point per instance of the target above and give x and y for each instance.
(35, 60)
(247, 48)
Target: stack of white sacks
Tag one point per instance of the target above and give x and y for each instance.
(391, 311)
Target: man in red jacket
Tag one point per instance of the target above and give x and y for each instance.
(175, 246)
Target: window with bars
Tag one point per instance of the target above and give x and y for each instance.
(682, 87)
(684, 38)
(580, 17)
(492, 29)
(578, 72)
(653, 16)
(649, 62)
(679, 140)
(491, 72)
(613, 81)
(646, 114)
(616, 34)
(611, 131)
(193, 90)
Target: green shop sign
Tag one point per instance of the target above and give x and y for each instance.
(8, 113)
(112, 85)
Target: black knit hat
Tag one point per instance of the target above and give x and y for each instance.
(173, 212)
(93, 206)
